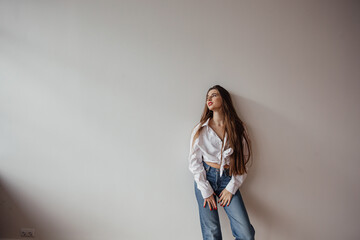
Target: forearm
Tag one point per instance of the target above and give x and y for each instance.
(235, 183)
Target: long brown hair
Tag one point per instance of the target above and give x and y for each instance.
(235, 129)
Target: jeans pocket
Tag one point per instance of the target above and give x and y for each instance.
(206, 167)
(226, 177)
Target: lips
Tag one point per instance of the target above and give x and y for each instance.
(210, 103)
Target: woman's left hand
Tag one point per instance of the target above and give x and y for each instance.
(225, 197)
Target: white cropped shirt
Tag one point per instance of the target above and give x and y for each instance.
(207, 147)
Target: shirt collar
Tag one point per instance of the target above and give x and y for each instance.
(206, 123)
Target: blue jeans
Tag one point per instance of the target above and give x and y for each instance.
(209, 220)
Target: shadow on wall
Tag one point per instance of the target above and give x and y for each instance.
(268, 213)
(12, 217)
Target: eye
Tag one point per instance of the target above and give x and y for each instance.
(212, 95)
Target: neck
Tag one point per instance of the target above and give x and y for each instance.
(218, 118)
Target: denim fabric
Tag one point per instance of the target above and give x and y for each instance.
(240, 224)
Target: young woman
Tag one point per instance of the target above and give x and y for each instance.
(219, 155)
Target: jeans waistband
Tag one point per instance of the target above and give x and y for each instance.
(210, 168)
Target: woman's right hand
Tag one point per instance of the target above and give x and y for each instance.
(211, 202)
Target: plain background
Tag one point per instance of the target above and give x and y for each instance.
(98, 100)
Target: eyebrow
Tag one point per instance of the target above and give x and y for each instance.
(212, 93)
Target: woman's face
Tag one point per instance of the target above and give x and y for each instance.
(214, 100)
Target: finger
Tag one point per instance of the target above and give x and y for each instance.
(214, 204)
(224, 202)
(204, 202)
(229, 201)
(209, 204)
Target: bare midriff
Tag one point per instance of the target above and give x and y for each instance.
(215, 165)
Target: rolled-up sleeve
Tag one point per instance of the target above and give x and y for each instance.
(235, 183)
(197, 169)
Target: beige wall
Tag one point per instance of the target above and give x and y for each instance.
(97, 101)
